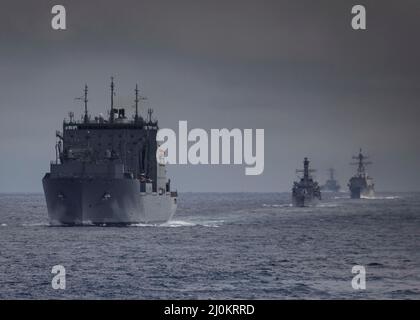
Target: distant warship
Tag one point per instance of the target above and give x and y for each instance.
(331, 184)
(361, 185)
(106, 171)
(306, 191)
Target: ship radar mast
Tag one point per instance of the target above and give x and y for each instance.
(137, 100)
(136, 117)
(149, 113)
(85, 100)
(111, 116)
(361, 163)
(331, 171)
(306, 171)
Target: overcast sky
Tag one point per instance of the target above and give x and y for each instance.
(294, 68)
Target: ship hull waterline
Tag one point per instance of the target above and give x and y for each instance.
(361, 187)
(359, 193)
(305, 201)
(84, 201)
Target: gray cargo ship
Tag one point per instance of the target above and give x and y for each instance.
(106, 171)
(361, 185)
(331, 184)
(306, 191)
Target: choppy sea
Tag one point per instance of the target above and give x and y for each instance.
(219, 246)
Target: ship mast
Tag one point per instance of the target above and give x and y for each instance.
(361, 163)
(149, 113)
(331, 170)
(136, 117)
(85, 100)
(138, 98)
(306, 168)
(306, 171)
(112, 100)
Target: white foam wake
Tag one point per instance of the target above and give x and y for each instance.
(380, 197)
(283, 205)
(181, 223)
(36, 224)
(327, 205)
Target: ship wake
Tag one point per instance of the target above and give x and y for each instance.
(283, 205)
(182, 223)
(380, 197)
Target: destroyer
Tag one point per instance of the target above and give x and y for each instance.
(306, 191)
(106, 171)
(361, 185)
(331, 184)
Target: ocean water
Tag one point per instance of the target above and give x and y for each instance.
(219, 246)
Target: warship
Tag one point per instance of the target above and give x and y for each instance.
(306, 191)
(361, 185)
(331, 184)
(106, 171)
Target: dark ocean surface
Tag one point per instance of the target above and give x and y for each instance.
(219, 246)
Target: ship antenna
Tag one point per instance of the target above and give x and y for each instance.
(306, 168)
(361, 168)
(86, 119)
(112, 100)
(150, 112)
(137, 104)
(332, 173)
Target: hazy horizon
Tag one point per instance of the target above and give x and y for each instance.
(296, 69)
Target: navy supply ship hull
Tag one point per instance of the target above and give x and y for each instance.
(78, 201)
(306, 192)
(361, 185)
(106, 173)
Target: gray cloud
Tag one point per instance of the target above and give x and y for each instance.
(294, 68)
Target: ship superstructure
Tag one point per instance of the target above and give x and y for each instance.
(306, 191)
(106, 171)
(361, 185)
(331, 184)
